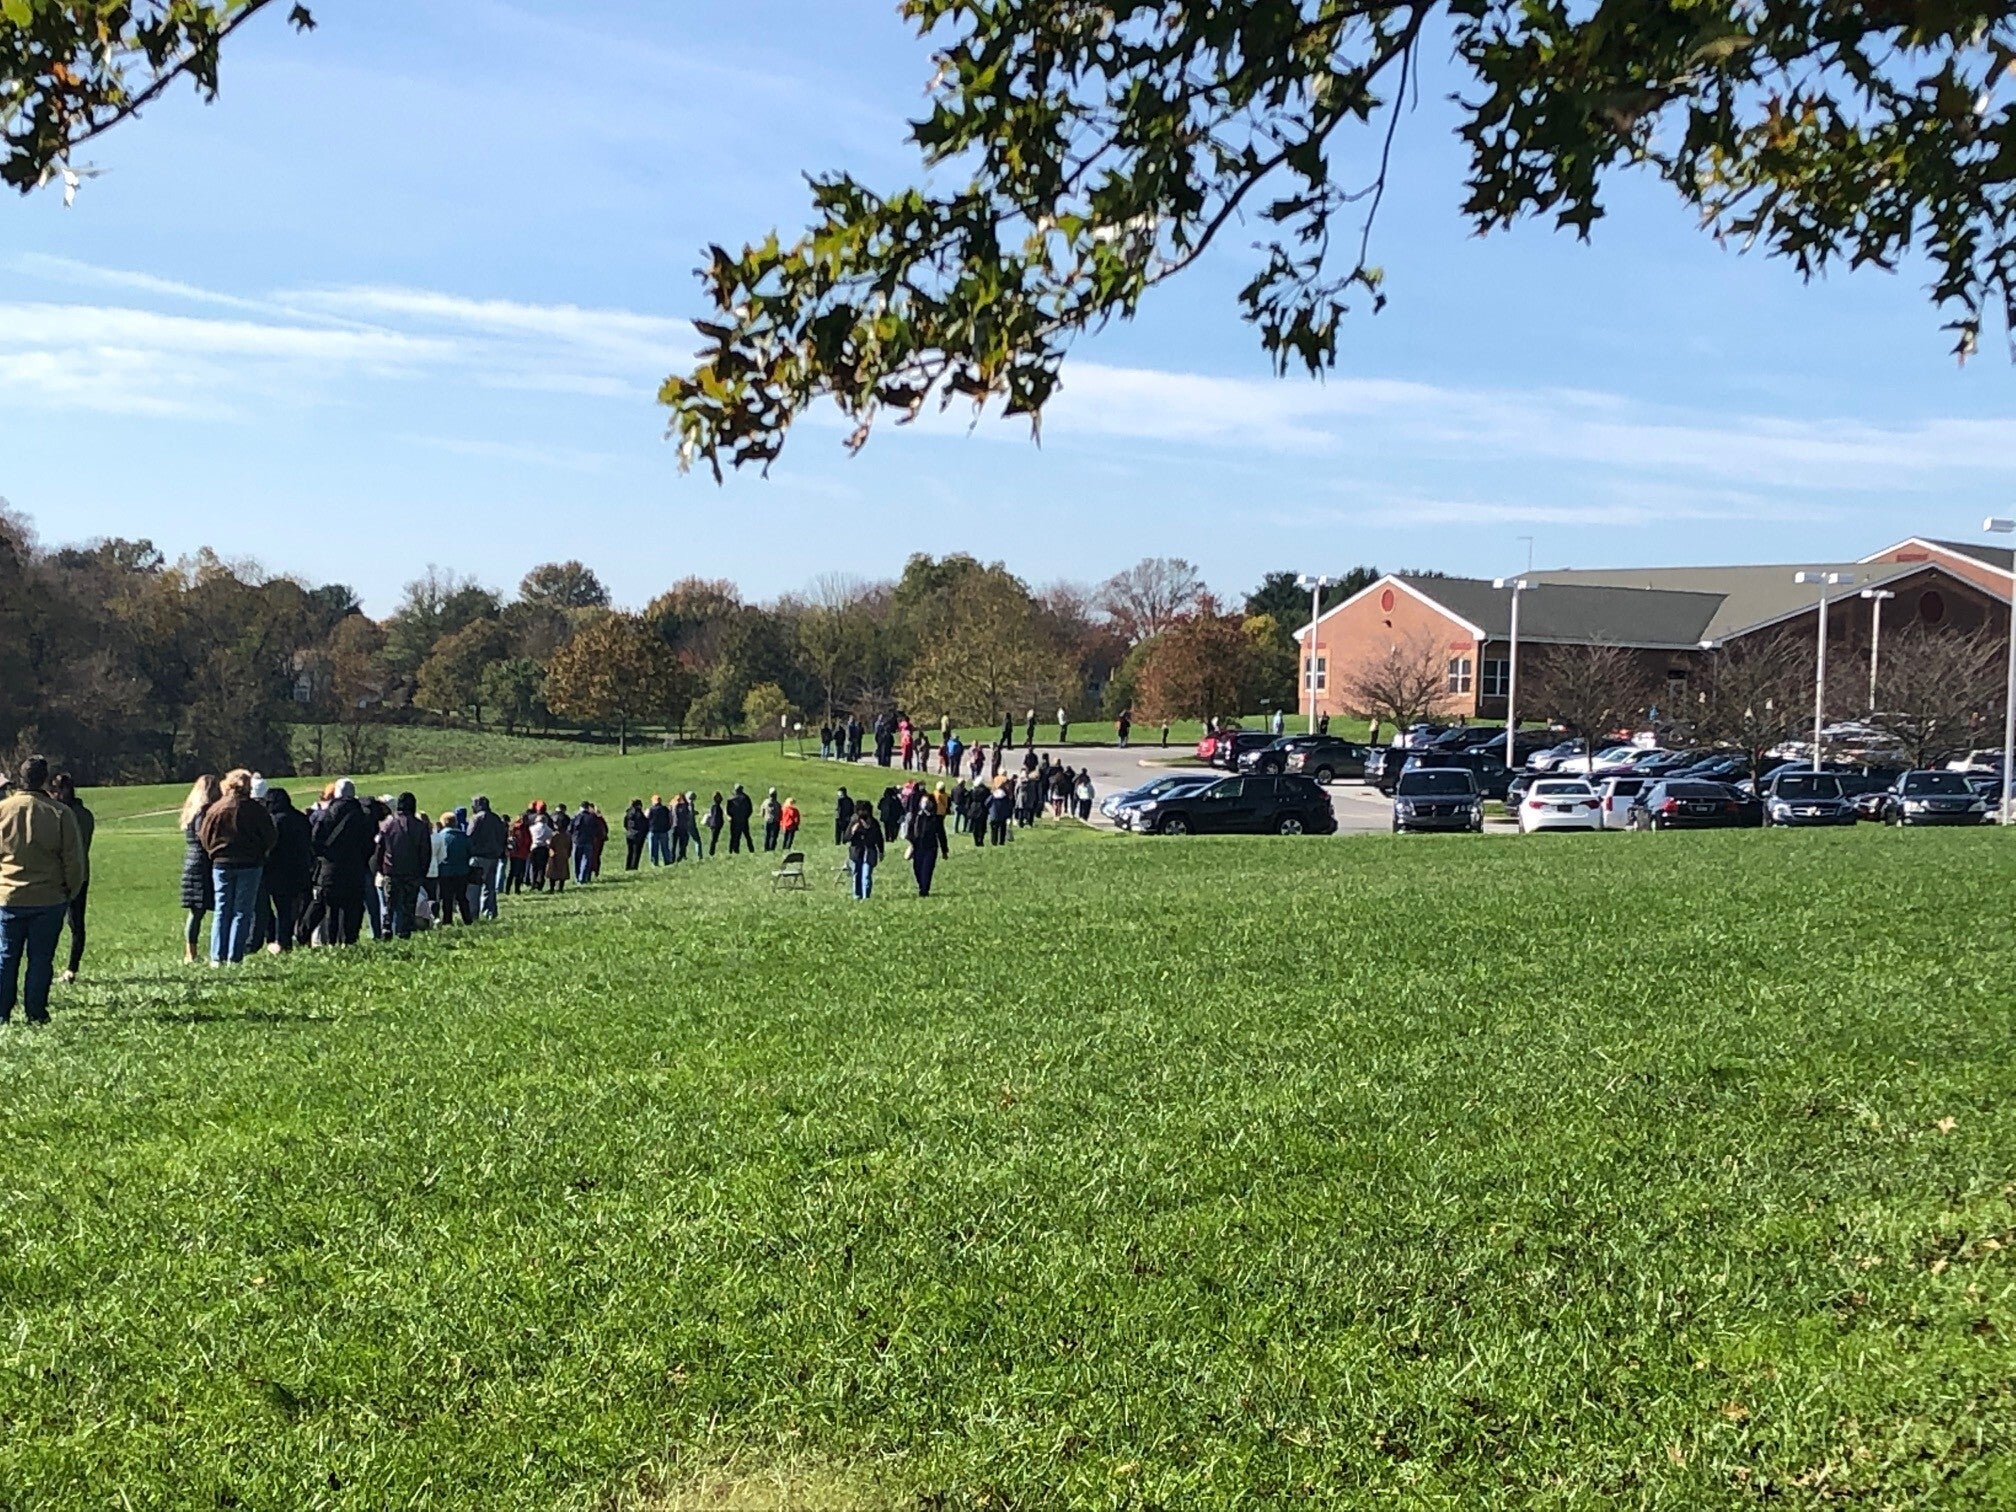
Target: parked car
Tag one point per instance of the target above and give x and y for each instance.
(1345, 756)
(1134, 797)
(1239, 806)
(1559, 803)
(1551, 757)
(1717, 769)
(1923, 797)
(1804, 798)
(1229, 748)
(1437, 798)
(1977, 761)
(1326, 758)
(1493, 777)
(1685, 803)
(1614, 797)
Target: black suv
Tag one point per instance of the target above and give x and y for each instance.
(1242, 806)
(1232, 747)
(1437, 798)
(1492, 775)
(1925, 797)
(1324, 757)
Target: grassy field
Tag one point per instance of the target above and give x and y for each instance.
(1662, 1171)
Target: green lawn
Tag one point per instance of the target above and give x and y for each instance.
(1591, 1171)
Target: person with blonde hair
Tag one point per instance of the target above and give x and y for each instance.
(199, 895)
(237, 834)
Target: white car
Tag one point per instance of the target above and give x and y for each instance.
(1560, 803)
(1976, 761)
(1614, 795)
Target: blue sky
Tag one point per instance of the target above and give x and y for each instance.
(404, 293)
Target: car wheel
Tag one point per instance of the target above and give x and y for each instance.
(1325, 776)
(1289, 824)
(1173, 824)
(1396, 826)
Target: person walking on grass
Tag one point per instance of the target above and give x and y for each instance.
(658, 831)
(1063, 725)
(403, 854)
(63, 788)
(539, 830)
(237, 835)
(1007, 729)
(843, 815)
(451, 872)
(289, 874)
(928, 844)
(864, 841)
(489, 842)
(892, 814)
(1165, 732)
(976, 814)
(772, 812)
(788, 820)
(740, 808)
(560, 856)
(199, 896)
(591, 833)
(636, 830)
(42, 869)
(343, 841)
(715, 819)
(1029, 730)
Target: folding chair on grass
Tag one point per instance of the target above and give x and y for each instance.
(791, 873)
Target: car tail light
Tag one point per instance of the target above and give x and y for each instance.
(1592, 803)
(1534, 803)
(1671, 805)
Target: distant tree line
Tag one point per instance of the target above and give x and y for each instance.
(126, 667)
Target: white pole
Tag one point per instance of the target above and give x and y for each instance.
(1315, 612)
(1820, 680)
(1875, 643)
(2004, 527)
(1512, 680)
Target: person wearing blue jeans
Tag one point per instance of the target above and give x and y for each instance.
(864, 848)
(41, 870)
(237, 834)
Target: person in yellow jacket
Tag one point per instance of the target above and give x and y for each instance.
(41, 870)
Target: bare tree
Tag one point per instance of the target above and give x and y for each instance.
(1410, 682)
(831, 633)
(1149, 596)
(1752, 695)
(1590, 689)
(1937, 694)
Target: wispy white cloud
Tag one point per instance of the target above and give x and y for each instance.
(1381, 418)
(515, 452)
(622, 336)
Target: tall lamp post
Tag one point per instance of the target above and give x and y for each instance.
(1315, 584)
(1824, 581)
(1997, 526)
(1518, 586)
(1875, 596)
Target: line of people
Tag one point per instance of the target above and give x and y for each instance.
(900, 741)
(924, 817)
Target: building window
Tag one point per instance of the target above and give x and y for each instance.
(1316, 673)
(1497, 678)
(1931, 606)
(1459, 674)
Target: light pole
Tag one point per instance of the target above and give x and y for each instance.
(1824, 580)
(1315, 584)
(1997, 526)
(1875, 597)
(1518, 586)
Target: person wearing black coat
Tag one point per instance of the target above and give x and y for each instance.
(489, 840)
(854, 733)
(740, 808)
(283, 886)
(342, 840)
(891, 809)
(843, 816)
(1000, 808)
(636, 827)
(927, 844)
(976, 815)
(658, 830)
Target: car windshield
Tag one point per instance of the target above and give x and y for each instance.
(1950, 783)
(1810, 785)
(1437, 783)
(1694, 790)
(1563, 790)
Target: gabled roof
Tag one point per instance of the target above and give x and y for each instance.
(2002, 558)
(1576, 612)
(1750, 597)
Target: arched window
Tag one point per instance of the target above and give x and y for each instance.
(1931, 606)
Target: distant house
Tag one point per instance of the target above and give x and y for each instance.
(1669, 616)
